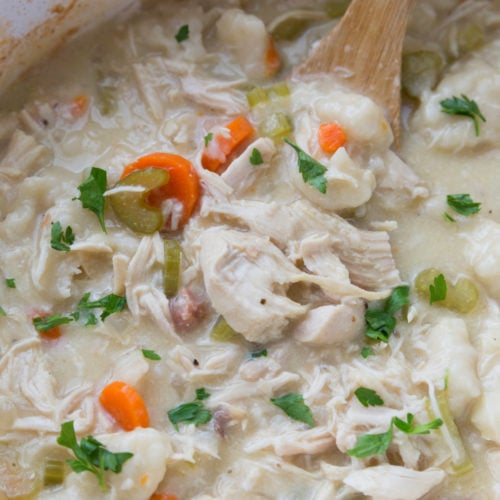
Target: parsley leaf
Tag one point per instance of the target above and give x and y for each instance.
(91, 455)
(367, 351)
(409, 427)
(59, 239)
(2, 311)
(109, 303)
(368, 397)
(92, 193)
(149, 354)
(208, 138)
(183, 33)
(448, 217)
(191, 413)
(371, 444)
(463, 106)
(311, 170)
(10, 282)
(438, 289)
(259, 354)
(42, 324)
(381, 323)
(256, 157)
(463, 204)
(293, 405)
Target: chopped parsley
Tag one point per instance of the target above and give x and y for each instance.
(293, 405)
(367, 351)
(61, 240)
(183, 33)
(259, 354)
(368, 397)
(92, 193)
(381, 323)
(42, 324)
(208, 138)
(448, 217)
(256, 157)
(463, 204)
(149, 354)
(438, 288)
(91, 455)
(2, 311)
(311, 170)
(191, 413)
(10, 282)
(465, 107)
(377, 444)
(109, 304)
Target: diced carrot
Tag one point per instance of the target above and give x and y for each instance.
(79, 106)
(273, 59)
(52, 334)
(221, 146)
(125, 405)
(183, 183)
(163, 496)
(331, 136)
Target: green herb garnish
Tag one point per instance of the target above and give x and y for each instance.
(201, 394)
(311, 170)
(10, 282)
(109, 303)
(208, 138)
(92, 193)
(448, 217)
(367, 351)
(368, 397)
(91, 455)
(256, 157)
(191, 413)
(463, 204)
(42, 324)
(182, 34)
(61, 240)
(438, 288)
(293, 405)
(2, 311)
(465, 107)
(149, 354)
(259, 354)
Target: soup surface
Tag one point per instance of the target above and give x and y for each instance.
(221, 282)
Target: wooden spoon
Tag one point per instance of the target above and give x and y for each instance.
(364, 51)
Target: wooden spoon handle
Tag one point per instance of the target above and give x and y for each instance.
(364, 52)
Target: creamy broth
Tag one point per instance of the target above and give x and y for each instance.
(291, 270)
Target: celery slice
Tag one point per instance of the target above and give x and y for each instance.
(54, 472)
(281, 89)
(222, 332)
(257, 95)
(277, 125)
(469, 38)
(420, 71)
(171, 267)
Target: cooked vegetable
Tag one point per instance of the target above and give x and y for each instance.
(470, 37)
(293, 405)
(208, 138)
(261, 95)
(216, 152)
(273, 59)
(92, 193)
(54, 472)
(79, 105)
(276, 125)
(125, 405)
(437, 289)
(259, 354)
(463, 204)
(46, 323)
(331, 136)
(163, 496)
(256, 157)
(2, 311)
(165, 176)
(191, 413)
(171, 267)
(110, 304)
(367, 351)
(311, 170)
(10, 282)
(420, 71)
(222, 332)
(465, 107)
(368, 397)
(377, 444)
(152, 355)
(91, 455)
(182, 34)
(61, 240)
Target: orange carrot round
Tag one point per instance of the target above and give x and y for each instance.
(215, 155)
(163, 496)
(331, 136)
(79, 106)
(273, 59)
(125, 405)
(183, 183)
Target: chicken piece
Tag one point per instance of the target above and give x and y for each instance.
(367, 255)
(139, 477)
(331, 324)
(451, 355)
(246, 278)
(241, 174)
(391, 482)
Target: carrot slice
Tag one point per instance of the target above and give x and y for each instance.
(215, 155)
(163, 496)
(331, 136)
(273, 59)
(125, 405)
(79, 106)
(183, 183)
(52, 334)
